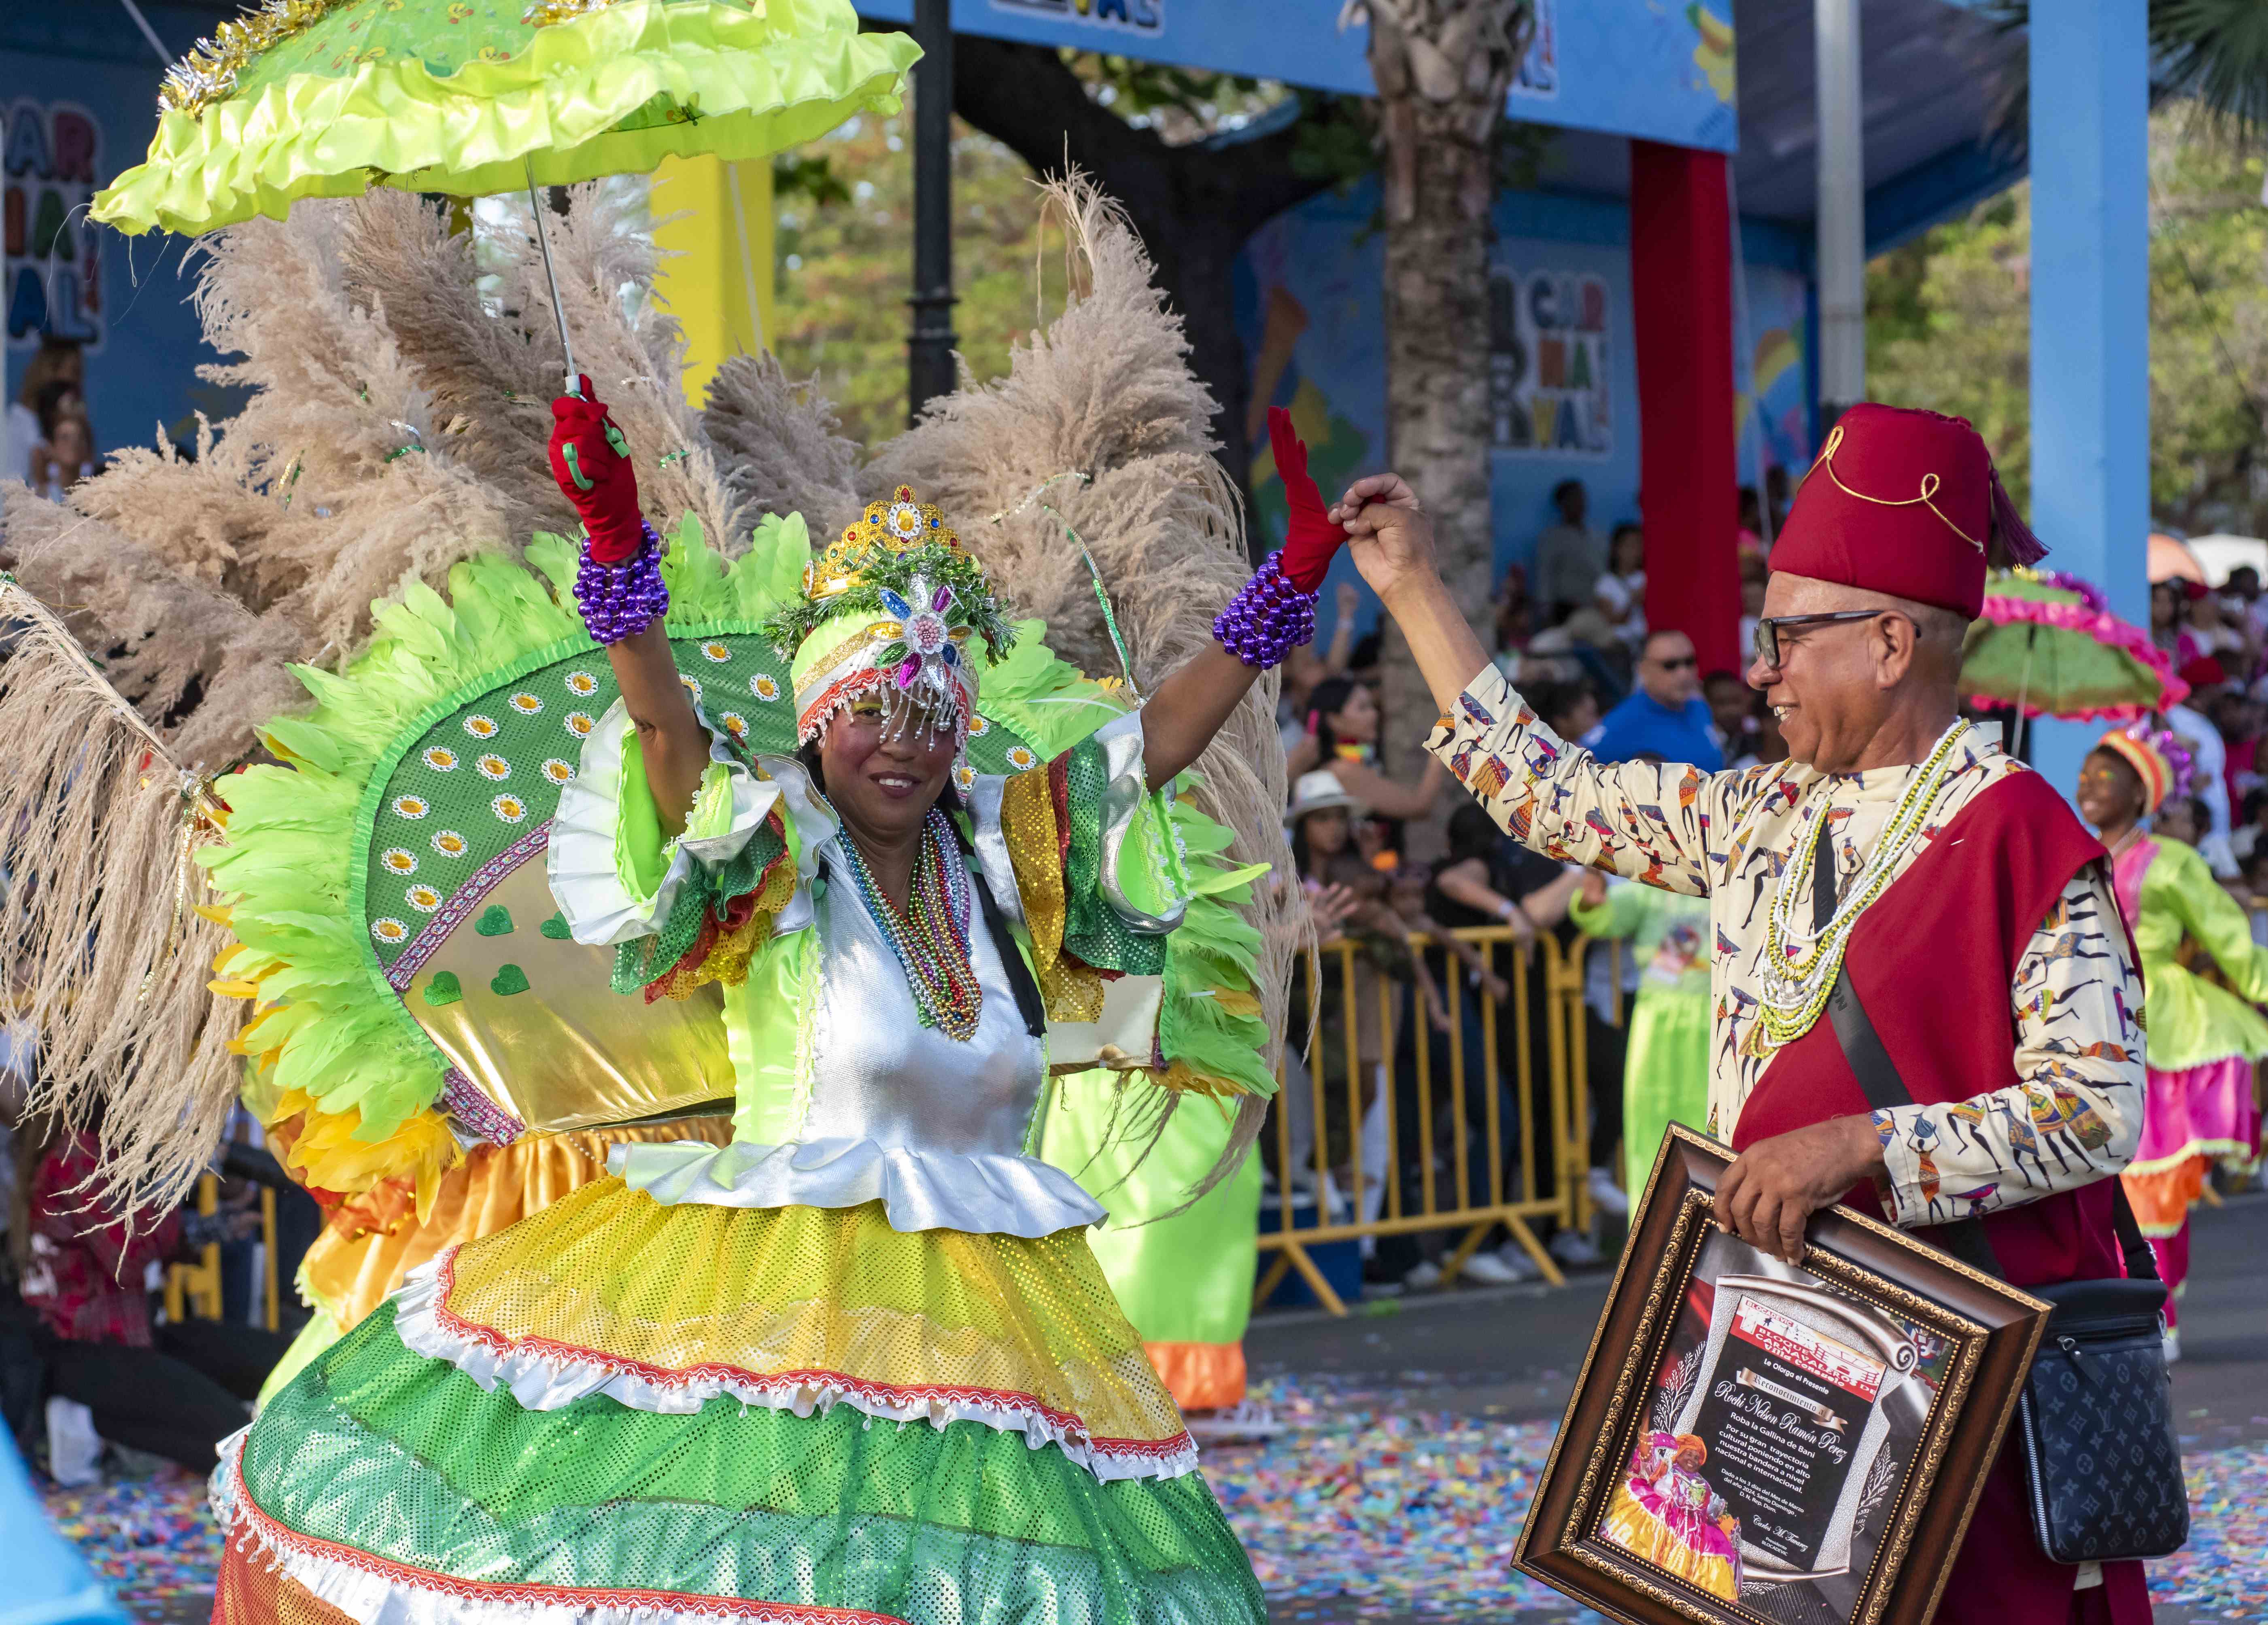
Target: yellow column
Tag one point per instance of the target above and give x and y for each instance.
(719, 283)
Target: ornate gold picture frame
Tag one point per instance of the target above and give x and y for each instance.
(1756, 1443)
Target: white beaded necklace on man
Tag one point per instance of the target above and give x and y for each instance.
(1799, 965)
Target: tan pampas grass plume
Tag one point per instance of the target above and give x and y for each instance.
(1106, 393)
(99, 923)
(779, 447)
(171, 640)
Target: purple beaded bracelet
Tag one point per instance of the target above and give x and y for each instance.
(1268, 618)
(622, 600)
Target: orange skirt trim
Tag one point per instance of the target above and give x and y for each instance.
(2162, 1199)
(1200, 1376)
(372, 1244)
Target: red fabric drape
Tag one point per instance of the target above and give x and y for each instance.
(1682, 311)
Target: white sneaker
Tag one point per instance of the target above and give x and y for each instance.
(1247, 1420)
(74, 1449)
(1514, 1257)
(1489, 1270)
(1574, 1249)
(1424, 1278)
(1606, 1195)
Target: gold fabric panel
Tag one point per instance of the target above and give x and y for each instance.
(1072, 991)
(537, 1027)
(369, 1246)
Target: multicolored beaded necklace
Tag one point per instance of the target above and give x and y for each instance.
(931, 936)
(1799, 966)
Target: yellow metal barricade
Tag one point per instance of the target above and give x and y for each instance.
(1552, 1113)
(195, 1289)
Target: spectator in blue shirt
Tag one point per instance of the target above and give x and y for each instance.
(1665, 715)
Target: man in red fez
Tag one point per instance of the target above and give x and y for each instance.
(1898, 846)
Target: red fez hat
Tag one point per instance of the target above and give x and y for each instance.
(1904, 502)
(2204, 672)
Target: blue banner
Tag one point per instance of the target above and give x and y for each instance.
(1651, 69)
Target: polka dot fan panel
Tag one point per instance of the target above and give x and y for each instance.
(484, 779)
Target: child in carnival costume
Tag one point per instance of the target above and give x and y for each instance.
(2202, 1041)
(859, 1363)
(1666, 1073)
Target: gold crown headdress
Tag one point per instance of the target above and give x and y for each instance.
(892, 603)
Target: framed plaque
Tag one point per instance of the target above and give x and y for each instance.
(1773, 1443)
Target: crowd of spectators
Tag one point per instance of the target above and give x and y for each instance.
(2217, 640)
(1575, 636)
(97, 1377)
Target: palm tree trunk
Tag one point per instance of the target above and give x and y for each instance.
(1443, 69)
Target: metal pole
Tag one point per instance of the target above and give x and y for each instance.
(1842, 222)
(558, 310)
(929, 347)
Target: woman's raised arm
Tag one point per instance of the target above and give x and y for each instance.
(620, 591)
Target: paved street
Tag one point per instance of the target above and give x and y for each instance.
(1417, 1428)
(1492, 1370)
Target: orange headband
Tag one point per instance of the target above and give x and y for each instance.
(2149, 765)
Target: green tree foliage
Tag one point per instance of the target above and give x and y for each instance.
(845, 250)
(1949, 327)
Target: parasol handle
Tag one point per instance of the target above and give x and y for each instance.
(558, 309)
(2024, 683)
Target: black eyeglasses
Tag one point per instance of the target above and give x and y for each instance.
(1681, 663)
(1767, 629)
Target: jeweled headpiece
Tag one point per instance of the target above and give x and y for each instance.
(892, 606)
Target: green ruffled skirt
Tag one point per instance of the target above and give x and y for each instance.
(380, 1470)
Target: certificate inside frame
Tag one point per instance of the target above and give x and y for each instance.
(1752, 1443)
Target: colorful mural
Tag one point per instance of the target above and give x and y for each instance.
(1561, 357)
(53, 268)
(126, 301)
(1774, 402)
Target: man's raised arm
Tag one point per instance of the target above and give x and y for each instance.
(1663, 823)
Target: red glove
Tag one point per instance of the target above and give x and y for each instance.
(1312, 540)
(592, 462)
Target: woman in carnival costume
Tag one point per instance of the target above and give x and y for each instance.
(1667, 1514)
(2203, 1041)
(859, 1363)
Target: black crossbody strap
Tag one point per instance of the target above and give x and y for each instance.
(2141, 1258)
(1877, 1074)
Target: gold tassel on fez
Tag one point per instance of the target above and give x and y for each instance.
(99, 923)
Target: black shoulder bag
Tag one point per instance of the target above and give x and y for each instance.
(2102, 1465)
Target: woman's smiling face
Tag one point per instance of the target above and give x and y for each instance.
(884, 768)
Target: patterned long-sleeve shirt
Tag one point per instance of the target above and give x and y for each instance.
(1729, 837)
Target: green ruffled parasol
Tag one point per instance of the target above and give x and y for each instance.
(2047, 644)
(330, 98)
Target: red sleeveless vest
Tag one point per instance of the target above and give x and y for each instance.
(1932, 961)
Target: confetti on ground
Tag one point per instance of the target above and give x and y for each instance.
(151, 1540)
(1401, 1512)
(2217, 1575)
(1405, 1512)
(1397, 1511)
